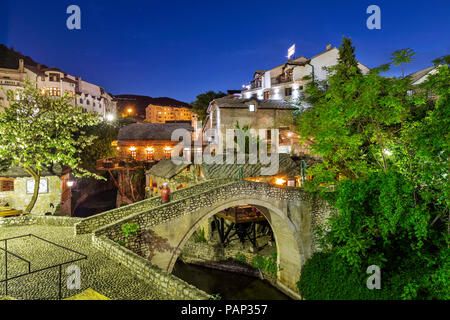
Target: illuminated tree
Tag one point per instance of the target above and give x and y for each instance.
(37, 131)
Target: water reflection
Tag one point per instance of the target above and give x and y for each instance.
(230, 286)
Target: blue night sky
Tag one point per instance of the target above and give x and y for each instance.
(182, 48)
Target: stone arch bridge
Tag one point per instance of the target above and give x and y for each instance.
(292, 213)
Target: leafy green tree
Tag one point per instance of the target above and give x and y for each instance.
(37, 131)
(388, 143)
(353, 119)
(200, 105)
(105, 133)
(402, 57)
(445, 59)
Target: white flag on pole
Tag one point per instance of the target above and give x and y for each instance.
(291, 51)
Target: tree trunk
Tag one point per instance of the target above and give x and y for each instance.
(37, 178)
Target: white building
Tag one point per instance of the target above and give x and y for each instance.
(286, 81)
(56, 82)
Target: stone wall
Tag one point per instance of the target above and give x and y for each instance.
(40, 220)
(95, 222)
(169, 286)
(19, 199)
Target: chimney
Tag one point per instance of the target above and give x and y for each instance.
(328, 46)
(20, 65)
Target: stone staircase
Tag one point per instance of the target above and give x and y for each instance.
(90, 224)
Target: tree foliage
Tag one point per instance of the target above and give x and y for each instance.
(37, 131)
(385, 145)
(200, 105)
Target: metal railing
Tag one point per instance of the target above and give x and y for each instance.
(59, 265)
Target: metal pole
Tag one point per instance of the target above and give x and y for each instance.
(60, 281)
(6, 267)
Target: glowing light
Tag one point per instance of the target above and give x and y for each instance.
(167, 148)
(132, 149)
(70, 183)
(110, 117)
(130, 110)
(149, 149)
(388, 152)
(289, 134)
(280, 181)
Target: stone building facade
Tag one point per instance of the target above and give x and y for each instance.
(54, 193)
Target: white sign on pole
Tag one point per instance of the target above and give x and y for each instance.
(291, 51)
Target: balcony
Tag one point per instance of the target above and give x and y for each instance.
(280, 79)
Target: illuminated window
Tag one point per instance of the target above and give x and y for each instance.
(167, 152)
(149, 154)
(251, 108)
(266, 95)
(54, 92)
(132, 152)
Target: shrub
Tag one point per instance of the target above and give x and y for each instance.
(129, 229)
(241, 258)
(268, 264)
(200, 236)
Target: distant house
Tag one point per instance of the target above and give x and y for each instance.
(148, 141)
(287, 81)
(16, 190)
(231, 113)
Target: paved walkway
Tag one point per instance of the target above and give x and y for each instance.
(97, 272)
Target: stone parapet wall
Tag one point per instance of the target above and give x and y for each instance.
(170, 286)
(167, 212)
(40, 220)
(95, 222)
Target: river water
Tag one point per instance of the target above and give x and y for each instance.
(230, 285)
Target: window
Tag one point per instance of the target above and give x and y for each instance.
(54, 92)
(54, 77)
(6, 185)
(43, 186)
(266, 95)
(167, 153)
(288, 92)
(81, 100)
(87, 102)
(251, 108)
(269, 134)
(149, 153)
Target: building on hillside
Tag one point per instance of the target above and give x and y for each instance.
(153, 110)
(163, 114)
(231, 113)
(55, 197)
(11, 79)
(55, 82)
(287, 80)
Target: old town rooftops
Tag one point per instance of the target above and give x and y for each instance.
(260, 104)
(151, 131)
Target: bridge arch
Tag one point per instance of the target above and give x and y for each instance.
(288, 243)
